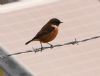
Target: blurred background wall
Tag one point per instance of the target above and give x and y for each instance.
(6, 1)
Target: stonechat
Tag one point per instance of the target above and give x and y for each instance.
(48, 32)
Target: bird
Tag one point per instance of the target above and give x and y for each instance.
(47, 33)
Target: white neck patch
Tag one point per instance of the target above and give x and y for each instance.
(54, 26)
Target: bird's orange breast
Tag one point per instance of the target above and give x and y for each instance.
(50, 36)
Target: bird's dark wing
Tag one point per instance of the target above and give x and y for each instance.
(43, 32)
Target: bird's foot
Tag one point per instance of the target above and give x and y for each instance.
(51, 46)
(41, 49)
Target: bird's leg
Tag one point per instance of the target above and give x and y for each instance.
(41, 47)
(50, 45)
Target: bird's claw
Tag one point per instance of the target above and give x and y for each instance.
(51, 46)
(41, 49)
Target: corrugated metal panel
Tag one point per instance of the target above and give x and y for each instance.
(10, 66)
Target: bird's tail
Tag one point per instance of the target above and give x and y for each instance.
(29, 42)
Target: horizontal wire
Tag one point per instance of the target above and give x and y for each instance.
(58, 45)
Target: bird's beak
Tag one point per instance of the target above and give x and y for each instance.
(61, 22)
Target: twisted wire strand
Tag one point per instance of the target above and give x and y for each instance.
(58, 45)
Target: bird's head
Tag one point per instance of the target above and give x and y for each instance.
(55, 21)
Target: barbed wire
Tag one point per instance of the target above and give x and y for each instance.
(58, 45)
